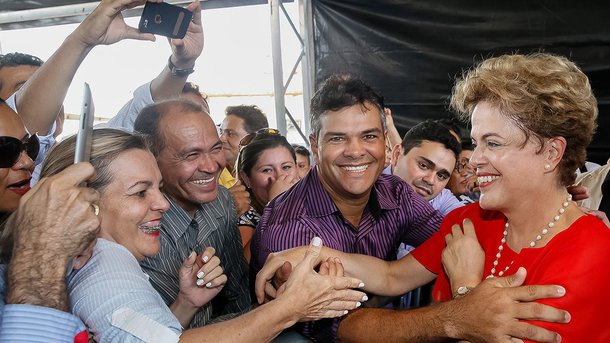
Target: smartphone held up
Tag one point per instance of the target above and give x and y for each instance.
(85, 128)
(165, 19)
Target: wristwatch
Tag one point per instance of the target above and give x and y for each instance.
(178, 71)
(462, 291)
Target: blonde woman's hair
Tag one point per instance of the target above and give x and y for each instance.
(544, 95)
(106, 145)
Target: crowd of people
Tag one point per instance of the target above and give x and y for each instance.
(177, 229)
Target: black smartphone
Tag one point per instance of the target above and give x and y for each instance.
(165, 19)
(85, 128)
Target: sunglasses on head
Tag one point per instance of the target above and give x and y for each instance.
(11, 148)
(249, 137)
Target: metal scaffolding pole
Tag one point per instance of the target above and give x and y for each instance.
(278, 73)
(305, 39)
(307, 62)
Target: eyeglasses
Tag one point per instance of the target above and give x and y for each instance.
(463, 165)
(11, 148)
(249, 137)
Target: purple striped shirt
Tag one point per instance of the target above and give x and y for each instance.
(394, 214)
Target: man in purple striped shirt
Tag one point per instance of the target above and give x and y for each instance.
(345, 200)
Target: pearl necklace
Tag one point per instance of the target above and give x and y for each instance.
(532, 243)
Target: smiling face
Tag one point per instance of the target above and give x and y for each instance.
(460, 179)
(132, 204)
(506, 168)
(231, 132)
(350, 157)
(426, 168)
(14, 181)
(191, 160)
(271, 164)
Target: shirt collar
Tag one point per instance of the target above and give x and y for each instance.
(319, 203)
(176, 220)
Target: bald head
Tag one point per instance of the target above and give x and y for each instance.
(149, 120)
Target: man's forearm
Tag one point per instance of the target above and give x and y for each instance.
(40, 99)
(37, 280)
(380, 325)
(168, 86)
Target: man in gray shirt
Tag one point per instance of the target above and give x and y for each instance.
(189, 153)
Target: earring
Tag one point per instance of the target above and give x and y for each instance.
(547, 166)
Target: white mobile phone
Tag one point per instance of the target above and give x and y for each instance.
(85, 128)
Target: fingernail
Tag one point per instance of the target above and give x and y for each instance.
(208, 285)
(345, 312)
(205, 259)
(558, 338)
(561, 290)
(567, 317)
(191, 254)
(361, 285)
(358, 304)
(316, 241)
(199, 282)
(200, 275)
(365, 298)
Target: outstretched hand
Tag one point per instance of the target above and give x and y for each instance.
(276, 270)
(492, 311)
(316, 296)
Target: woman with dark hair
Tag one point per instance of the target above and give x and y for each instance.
(266, 165)
(463, 181)
(18, 150)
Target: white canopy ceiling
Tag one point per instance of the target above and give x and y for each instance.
(18, 14)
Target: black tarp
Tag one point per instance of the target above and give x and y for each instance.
(412, 51)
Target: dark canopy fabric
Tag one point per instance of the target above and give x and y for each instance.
(412, 51)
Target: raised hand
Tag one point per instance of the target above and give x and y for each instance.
(186, 50)
(463, 258)
(105, 25)
(241, 197)
(201, 279)
(579, 192)
(53, 211)
(282, 184)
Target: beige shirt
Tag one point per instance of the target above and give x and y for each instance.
(593, 180)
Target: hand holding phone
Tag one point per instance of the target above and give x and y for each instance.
(165, 19)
